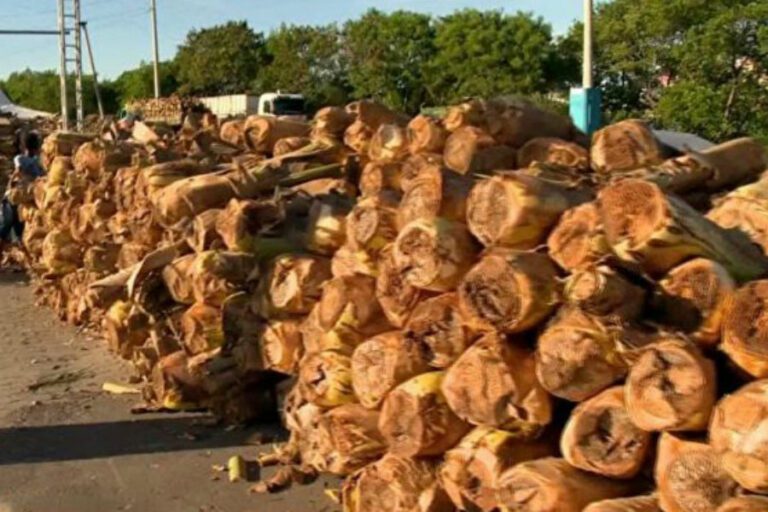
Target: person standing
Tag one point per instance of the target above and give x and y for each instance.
(26, 169)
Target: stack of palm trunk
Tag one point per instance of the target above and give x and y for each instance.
(480, 314)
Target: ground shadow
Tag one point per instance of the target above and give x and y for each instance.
(50, 443)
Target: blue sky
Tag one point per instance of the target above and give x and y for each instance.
(120, 29)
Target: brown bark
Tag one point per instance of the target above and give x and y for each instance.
(602, 291)
(553, 151)
(494, 384)
(744, 337)
(261, 133)
(737, 433)
(552, 485)
(384, 362)
(435, 192)
(518, 211)
(736, 162)
(389, 144)
(378, 177)
(671, 387)
(440, 329)
(636, 504)
(426, 135)
(352, 436)
(625, 146)
(292, 285)
(416, 420)
(471, 150)
(600, 438)
(509, 291)
(578, 240)
(396, 297)
(434, 254)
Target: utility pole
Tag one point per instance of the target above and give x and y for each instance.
(155, 48)
(84, 25)
(63, 68)
(588, 32)
(79, 108)
(585, 100)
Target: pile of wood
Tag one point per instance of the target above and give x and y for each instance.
(477, 312)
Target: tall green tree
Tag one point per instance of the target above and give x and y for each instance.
(309, 60)
(39, 90)
(224, 59)
(387, 56)
(140, 82)
(489, 53)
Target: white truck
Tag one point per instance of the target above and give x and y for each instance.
(277, 104)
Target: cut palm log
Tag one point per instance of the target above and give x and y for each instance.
(396, 297)
(392, 484)
(416, 420)
(517, 122)
(434, 254)
(176, 277)
(658, 232)
(469, 113)
(261, 133)
(435, 192)
(331, 122)
(693, 298)
(375, 114)
(384, 362)
(690, 476)
(352, 436)
(471, 470)
(282, 347)
(233, 132)
(745, 209)
(292, 285)
(553, 151)
(126, 328)
(372, 224)
(578, 356)
(553, 485)
(671, 387)
(325, 379)
(326, 225)
(494, 383)
(600, 438)
(509, 291)
(61, 254)
(414, 165)
(215, 275)
(348, 262)
(735, 162)
(290, 144)
(471, 150)
(426, 135)
(201, 328)
(745, 504)
(440, 329)
(744, 336)
(625, 146)
(578, 240)
(242, 221)
(738, 434)
(602, 291)
(389, 144)
(517, 210)
(378, 177)
(636, 504)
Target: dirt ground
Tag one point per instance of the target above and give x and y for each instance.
(67, 446)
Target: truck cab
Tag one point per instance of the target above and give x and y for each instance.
(279, 104)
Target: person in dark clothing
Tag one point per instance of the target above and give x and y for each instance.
(27, 168)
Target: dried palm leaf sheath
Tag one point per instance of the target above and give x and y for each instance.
(494, 384)
(392, 484)
(604, 292)
(658, 232)
(396, 297)
(434, 254)
(509, 291)
(435, 192)
(389, 144)
(745, 337)
(745, 209)
(671, 387)
(325, 379)
(599, 437)
(738, 433)
(471, 470)
(578, 356)
(292, 285)
(517, 210)
(636, 504)
(426, 135)
(352, 434)
(553, 485)
(282, 347)
(378, 177)
(384, 362)
(578, 240)
(693, 299)
(690, 477)
(416, 420)
(440, 329)
(553, 151)
(625, 146)
(745, 504)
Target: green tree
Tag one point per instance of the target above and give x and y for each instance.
(489, 53)
(39, 90)
(306, 59)
(387, 55)
(224, 59)
(140, 82)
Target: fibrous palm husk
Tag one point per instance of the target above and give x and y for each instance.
(494, 384)
(352, 436)
(126, 328)
(292, 285)
(625, 146)
(215, 275)
(690, 476)
(510, 291)
(396, 297)
(261, 133)
(434, 254)
(737, 433)
(388, 144)
(604, 292)
(517, 210)
(60, 253)
(744, 335)
(600, 438)
(657, 232)
(553, 485)
(202, 328)
(384, 362)
(435, 192)
(416, 420)
(325, 379)
(635, 504)
(471, 150)
(426, 135)
(550, 150)
(671, 387)
(378, 177)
